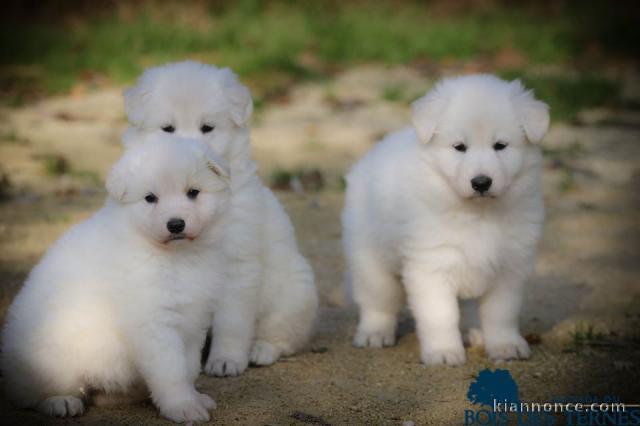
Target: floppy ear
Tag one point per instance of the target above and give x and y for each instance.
(532, 114)
(425, 113)
(137, 98)
(238, 95)
(218, 166)
(135, 101)
(117, 181)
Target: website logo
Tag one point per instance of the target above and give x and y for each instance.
(495, 393)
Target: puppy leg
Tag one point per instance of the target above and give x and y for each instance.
(499, 312)
(285, 323)
(434, 304)
(379, 297)
(234, 323)
(160, 355)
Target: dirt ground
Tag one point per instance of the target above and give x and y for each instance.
(582, 312)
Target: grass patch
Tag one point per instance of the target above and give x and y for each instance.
(301, 39)
(568, 95)
(11, 137)
(585, 335)
(568, 181)
(89, 176)
(271, 43)
(395, 93)
(56, 165)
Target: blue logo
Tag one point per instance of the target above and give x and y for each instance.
(491, 386)
(495, 394)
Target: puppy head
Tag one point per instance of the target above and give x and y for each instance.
(170, 188)
(189, 99)
(479, 131)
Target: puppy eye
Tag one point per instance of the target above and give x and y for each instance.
(193, 193)
(206, 128)
(169, 129)
(151, 198)
(499, 146)
(460, 147)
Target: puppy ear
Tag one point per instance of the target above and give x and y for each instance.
(135, 102)
(239, 97)
(425, 113)
(532, 114)
(117, 181)
(218, 166)
(137, 98)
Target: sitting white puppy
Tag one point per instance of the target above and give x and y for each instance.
(123, 300)
(271, 300)
(450, 208)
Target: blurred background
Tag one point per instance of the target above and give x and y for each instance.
(329, 79)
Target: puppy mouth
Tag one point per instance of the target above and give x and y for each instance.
(178, 237)
(485, 195)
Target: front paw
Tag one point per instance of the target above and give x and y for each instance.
(369, 338)
(504, 350)
(193, 407)
(208, 402)
(444, 356)
(226, 365)
(62, 406)
(264, 353)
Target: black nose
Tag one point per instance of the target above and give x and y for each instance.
(481, 183)
(175, 226)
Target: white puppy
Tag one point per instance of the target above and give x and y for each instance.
(271, 301)
(451, 208)
(123, 300)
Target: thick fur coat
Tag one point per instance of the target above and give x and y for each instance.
(120, 304)
(271, 302)
(449, 208)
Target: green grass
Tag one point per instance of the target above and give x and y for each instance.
(258, 37)
(585, 334)
(10, 137)
(56, 165)
(395, 93)
(568, 94)
(297, 40)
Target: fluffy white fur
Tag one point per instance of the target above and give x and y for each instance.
(271, 300)
(415, 227)
(119, 305)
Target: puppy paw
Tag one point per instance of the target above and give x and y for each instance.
(374, 339)
(473, 337)
(224, 366)
(193, 407)
(62, 406)
(450, 356)
(516, 348)
(208, 402)
(264, 353)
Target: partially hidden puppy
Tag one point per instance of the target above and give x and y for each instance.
(449, 208)
(121, 302)
(271, 301)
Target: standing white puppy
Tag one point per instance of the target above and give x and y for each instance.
(449, 208)
(121, 302)
(271, 299)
